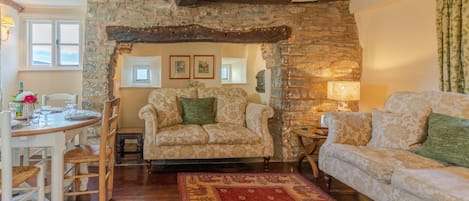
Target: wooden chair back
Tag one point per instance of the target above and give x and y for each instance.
(106, 153)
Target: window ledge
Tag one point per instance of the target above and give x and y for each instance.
(54, 68)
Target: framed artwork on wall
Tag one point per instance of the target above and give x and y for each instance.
(179, 66)
(204, 66)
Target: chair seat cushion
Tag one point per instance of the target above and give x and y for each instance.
(181, 134)
(380, 162)
(84, 154)
(21, 174)
(449, 183)
(226, 133)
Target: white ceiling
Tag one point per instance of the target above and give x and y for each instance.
(52, 3)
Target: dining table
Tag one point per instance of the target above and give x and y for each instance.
(61, 127)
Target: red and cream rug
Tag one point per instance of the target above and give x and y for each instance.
(248, 187)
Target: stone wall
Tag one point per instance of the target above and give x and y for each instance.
(323, 46)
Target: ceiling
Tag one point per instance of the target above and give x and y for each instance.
(52, 3)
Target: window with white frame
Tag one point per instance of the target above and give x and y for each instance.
(53, 43)
(233, 70)
(141, 71)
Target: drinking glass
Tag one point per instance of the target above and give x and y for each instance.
(45, 110)
(70, 107)
(12, 108)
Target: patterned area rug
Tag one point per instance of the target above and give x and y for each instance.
(248, 187)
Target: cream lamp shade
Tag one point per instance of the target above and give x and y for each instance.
(343, 91)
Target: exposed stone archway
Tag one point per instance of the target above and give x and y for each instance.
(322, 45)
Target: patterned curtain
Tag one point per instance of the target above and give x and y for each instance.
(453, 44)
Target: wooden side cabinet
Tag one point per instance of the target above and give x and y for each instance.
(127, 134)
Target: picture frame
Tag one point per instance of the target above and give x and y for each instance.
(204, 66)
(179, 66)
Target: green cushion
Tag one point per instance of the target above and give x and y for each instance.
(198, 110)
(448, 140)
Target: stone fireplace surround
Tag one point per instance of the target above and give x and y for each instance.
(319, 43)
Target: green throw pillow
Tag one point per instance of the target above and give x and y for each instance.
(448, 140)
(198, 110)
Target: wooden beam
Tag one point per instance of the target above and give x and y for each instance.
(12, 4)
(196, 33)
(281, 2)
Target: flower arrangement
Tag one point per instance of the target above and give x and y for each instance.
(26, 97)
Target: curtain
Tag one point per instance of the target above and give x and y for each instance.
(453, 44)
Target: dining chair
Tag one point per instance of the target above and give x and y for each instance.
(102, 154)
(59, 97)
(13, 178)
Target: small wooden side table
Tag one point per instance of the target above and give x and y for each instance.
(129, 133)
(316, 134)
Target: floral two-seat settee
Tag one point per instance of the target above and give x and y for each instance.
(415, 148)
(239, 129)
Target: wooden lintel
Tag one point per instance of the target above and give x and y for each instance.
(196, 33)
(194, 3)
(12, 4)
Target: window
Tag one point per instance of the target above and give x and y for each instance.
(53, 43)
(141, 71)
(233, 70)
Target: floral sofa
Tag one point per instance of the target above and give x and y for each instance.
(358, 153)
(240, 129)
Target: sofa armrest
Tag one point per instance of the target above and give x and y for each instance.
(256, 121)
(148, 113)
(348, 128)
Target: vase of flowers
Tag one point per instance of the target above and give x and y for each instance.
(25, 102)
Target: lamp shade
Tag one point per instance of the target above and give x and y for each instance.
(343, 90)
(8, 21)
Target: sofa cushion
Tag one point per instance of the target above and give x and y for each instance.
(440, 184)
(198, 110)
(231, 109)
(166, 104)
(380, 162)
(181, 135)
(448, 140)
(397, 130)
(225, 133)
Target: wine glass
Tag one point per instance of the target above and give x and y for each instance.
(45, 110)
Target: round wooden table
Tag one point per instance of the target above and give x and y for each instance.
(55, 134)
(316, 134)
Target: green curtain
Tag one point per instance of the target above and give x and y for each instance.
(453, 44)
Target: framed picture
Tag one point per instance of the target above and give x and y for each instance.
(179, 67)
(204, 66)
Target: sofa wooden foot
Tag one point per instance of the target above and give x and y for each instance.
(327, 180)
(266, 164)
(148, 166)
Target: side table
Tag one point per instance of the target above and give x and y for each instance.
(316, 134)
(129, 133)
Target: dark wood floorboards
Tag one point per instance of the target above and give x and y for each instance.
(132, 183)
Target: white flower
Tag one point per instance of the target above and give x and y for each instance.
(20, 97)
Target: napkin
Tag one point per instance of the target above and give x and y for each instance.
(81, 116)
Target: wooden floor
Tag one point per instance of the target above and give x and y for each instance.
(132, 183)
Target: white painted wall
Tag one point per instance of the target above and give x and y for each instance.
(399, 44)
(9, 60)
(46, 82)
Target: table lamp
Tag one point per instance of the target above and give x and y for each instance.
(343, 91)
(6, 23)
